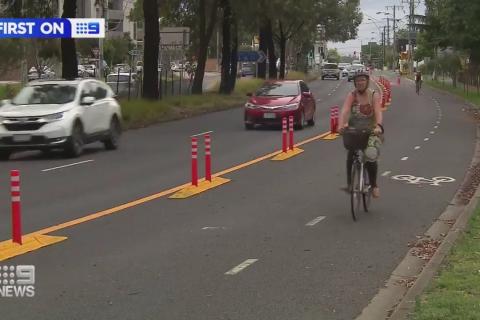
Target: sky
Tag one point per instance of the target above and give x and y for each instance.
(368, 30)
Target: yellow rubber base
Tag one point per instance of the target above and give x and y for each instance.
(287, 155)
(9, 249)
(331, 136)
(203, 186)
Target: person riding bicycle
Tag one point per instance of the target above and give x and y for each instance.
(362, 110)
(418, 81)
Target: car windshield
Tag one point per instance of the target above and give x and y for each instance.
(114, 77)
(278, 89)
(330, 66)
(46, 94)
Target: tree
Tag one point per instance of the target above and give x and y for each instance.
(333, 56)
(229, 48)
(116, 49)
(69, 53)
(454, 23)
(207, 15)
(150, 50)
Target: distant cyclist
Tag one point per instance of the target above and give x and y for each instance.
(362, 110)
(418, 81)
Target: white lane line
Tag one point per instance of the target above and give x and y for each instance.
(386, 173)
(438, 122)
(329, 94)
(432, 132)
(417, 147)
(318, 100)
(241, 267)
(426, 139)
(435, 127)
(212, 228)
(404, 158)
(315, 221)
(67, 165)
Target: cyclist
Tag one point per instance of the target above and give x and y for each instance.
(418, 81)
(362, 110)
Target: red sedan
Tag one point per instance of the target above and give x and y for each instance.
(278, 99)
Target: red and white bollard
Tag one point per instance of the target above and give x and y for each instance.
(16, 208)
(208, 158)
(284, 135)
(334, 113)
(336, 116)
(290, 129)
(194, 161)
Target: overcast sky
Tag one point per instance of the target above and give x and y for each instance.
(369, 9)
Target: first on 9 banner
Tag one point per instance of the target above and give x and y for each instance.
(52, 28)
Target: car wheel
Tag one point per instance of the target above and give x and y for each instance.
(311, 122)
(249, 126)
(5, 155)
(75, 142)
(301, 123)
(114, 133)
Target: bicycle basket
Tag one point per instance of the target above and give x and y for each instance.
(355, 139)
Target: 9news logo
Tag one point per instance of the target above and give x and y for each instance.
(17, 281)
(85, 29)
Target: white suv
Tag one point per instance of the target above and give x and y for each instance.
(60, 114)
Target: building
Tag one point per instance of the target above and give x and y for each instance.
(117, 14)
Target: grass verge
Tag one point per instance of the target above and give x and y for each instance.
(455, 292)
(142, 113)
(8, 91)
(472, 96)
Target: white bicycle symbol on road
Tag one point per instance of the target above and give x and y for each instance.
(435, 181)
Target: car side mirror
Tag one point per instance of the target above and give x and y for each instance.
(249, 94)
(87, 101)
(307, 94)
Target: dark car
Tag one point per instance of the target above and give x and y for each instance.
(278, 99)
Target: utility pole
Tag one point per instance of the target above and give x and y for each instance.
(411, 26)
(383, 42)
(395, 54)
(388, 32)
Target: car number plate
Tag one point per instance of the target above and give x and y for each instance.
(22, 137)
(269, 115)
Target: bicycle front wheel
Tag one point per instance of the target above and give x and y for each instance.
(355, 191)
(367, 192)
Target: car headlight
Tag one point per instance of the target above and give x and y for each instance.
(53, 117)
(293, 106)
(249, 105)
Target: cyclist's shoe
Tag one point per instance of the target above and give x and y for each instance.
(376, 192)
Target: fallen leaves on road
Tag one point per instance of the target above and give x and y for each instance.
(425, 249)
(407, 282)
(470, 185)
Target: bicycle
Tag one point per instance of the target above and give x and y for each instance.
(418, 85)
(356, 140)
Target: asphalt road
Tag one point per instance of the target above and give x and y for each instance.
(168, 259)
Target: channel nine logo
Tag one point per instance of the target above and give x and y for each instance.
(52, 28)
(17, 281)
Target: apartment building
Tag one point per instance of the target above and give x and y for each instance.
(116, 15)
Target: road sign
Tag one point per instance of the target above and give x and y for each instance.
(251, 56)
(135, 52)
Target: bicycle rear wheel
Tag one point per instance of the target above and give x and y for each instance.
(355, 193)
(367, 192)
